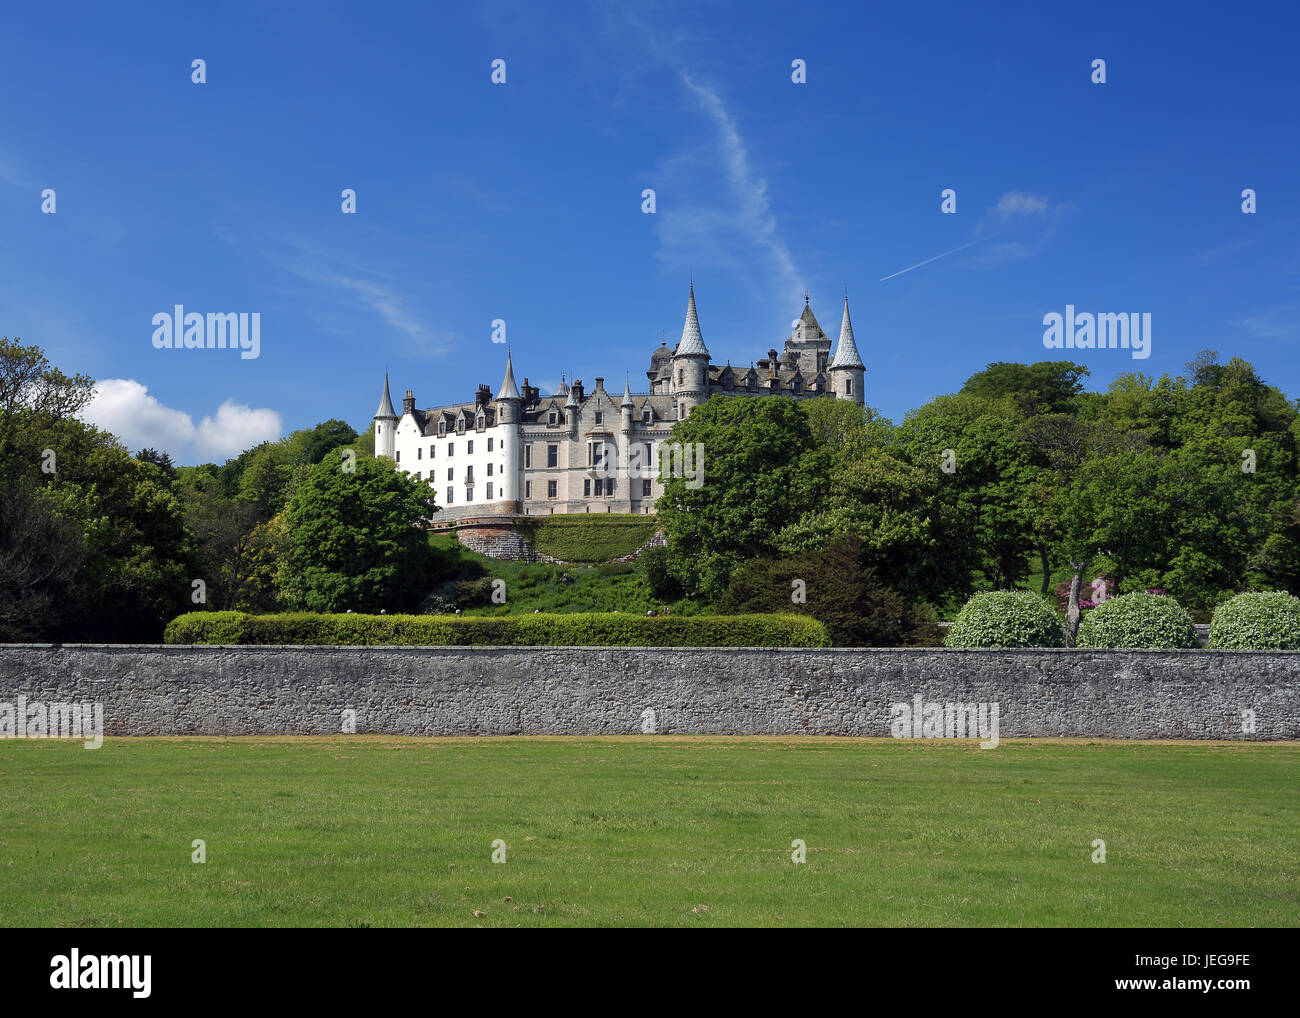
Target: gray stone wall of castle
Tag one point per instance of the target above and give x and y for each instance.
(608, 691)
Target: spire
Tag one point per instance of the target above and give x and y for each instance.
(508, 388)
(385, 403)
(563, 390)
(846, 354)
(692, 342)
(627, 391)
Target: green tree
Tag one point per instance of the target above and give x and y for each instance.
(761, 472)
(356, 539)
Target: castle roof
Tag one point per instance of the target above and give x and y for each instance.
(846, 354)
(385, 403)
(692, 341)
(508, 388)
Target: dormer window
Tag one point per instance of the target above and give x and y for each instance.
(442, 427)
(460, 426)
(551, 418)
(481, 422)
(599, 417)
(645, 416)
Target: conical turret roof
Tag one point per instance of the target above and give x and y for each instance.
(385, 402)
(508, 388)
(692, 341)
(846, 354)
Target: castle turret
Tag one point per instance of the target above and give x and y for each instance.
(385, 424)
(848, 375)
(571, 408)
(509, 404)
(627, 406)
(690, 378)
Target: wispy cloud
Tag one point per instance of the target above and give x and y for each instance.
(1270, 323)
(1031, 215)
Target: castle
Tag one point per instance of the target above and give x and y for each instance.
(521, 452)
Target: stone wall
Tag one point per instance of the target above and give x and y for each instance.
(152, 690)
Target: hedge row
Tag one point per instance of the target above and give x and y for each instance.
(551, 630)
(587, 537)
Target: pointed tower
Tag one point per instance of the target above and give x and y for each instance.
(690, 379)
(509, 403)
(848, 375)
(385, 424)
(627, 406)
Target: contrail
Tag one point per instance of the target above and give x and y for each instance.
(929, 260)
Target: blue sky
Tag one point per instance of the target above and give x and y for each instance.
(522, 201)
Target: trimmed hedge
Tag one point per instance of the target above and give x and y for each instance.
(1135, 621)
(1258, 621)
(613, 629)
(1006, 618)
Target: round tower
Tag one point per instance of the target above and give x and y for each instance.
(385, 424)
(848, 375)
(509, 405)
(690, 378)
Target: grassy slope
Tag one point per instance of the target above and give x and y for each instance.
(538, 586)
(588, 537)
(647, 830)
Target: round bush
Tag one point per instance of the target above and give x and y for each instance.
(1261, 621)
(1006, 618)
(1138, 620)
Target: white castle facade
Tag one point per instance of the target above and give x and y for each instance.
(522, 452)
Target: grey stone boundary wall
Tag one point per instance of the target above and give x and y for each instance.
(214, 690)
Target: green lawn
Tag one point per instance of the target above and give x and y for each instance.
(368, 830)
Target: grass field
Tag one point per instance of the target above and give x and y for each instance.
(673, 831)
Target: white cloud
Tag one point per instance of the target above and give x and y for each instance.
(1018, 203)
(235, 428)
(124, 407)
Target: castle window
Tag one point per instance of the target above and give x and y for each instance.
(528, 456)
(848, 387)
(551, 487)
(432, 449)
(442, 427)
(645, 488)
(469, 474)
(419, 453)
(460, 426)
(586, 485)
(645, 416)
(551, 418)
(552, 455)
(489, 491)
(489, 470)
(600, 487)
(481, 422)
(451, 492)
(528, 489)
(470, 447)
(451, 448)
(398, 456)
(489, 445)
(449, 474)
(599, 417)
(469, 494)
(609, 486)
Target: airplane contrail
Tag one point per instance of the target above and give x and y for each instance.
(934, 259)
